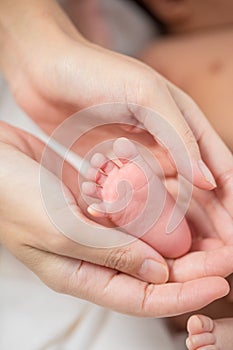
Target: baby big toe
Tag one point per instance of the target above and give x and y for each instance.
(198, 324)
(124, 148)
(126, 151)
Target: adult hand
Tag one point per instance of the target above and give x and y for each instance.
(53, 72)
(71, 268)
(210, 216)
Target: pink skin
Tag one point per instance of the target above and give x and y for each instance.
(135, 200)
(206, 334)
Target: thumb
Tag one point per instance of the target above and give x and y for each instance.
(162, 117)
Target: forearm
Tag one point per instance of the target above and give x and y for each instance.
(28, 26)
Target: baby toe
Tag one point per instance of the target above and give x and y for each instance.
(91, 174)
(98, 160)
(197, 341)
(91, 189)
(96, 176)
(105, 165)
(198, 324)
(127, 152)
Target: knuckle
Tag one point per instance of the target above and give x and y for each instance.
(74, 281)
(189, 136)
(120, 259)
(148, 291)
(78, 277)
(190, 140)
(225, 180)
(77, 282)
(149, 84)
(155, 82)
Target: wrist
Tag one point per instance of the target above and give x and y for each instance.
(15, 17)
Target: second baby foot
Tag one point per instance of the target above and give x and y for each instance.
(208, 334)
(135, 199)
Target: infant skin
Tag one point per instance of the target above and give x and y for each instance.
(135, 200)
(202, 66)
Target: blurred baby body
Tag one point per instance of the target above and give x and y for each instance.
(197, 55)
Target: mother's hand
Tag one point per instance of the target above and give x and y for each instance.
(53, 72)
(211, 217)
(108, 277)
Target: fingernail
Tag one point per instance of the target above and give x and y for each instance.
(153, 271)
(199, 323)
(206, 173)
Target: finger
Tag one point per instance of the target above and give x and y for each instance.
(56, 223)
(164, 120)
(102, 220)
(91, 189)
(221, 219)
(217, 262)
(121, 292)
(225, 190)
(136, 259)
(200, 221)
(206, 244)
(218, 157)
(196, 215)
(102, 163)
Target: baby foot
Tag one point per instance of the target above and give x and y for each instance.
(135, 199)
(208, 334)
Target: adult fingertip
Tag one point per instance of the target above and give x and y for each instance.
(154, 272)
(223, 287)
(207, 173)
(203, 178)
(227, 287)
